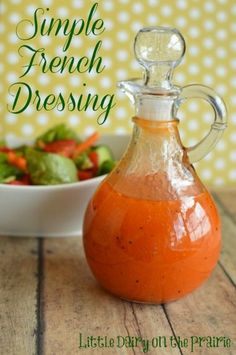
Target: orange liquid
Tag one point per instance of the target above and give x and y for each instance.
(151, 251)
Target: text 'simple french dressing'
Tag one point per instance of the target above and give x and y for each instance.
(152, 231)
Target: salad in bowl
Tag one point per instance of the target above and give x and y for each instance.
(58, 156)
(45, 186)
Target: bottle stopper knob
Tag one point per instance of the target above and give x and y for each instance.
(159, 50)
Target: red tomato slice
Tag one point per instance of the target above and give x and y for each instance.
(93, 156)
(25, 180)
(6, 150)
(17, 182)
(85, 174)
(64, 147)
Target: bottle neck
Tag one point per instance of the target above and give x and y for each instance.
(156, 107)
(158, 139)
(155, 165)
(155, 147)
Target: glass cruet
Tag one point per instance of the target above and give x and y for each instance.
(152, 231)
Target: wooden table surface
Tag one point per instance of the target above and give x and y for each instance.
(48, 297)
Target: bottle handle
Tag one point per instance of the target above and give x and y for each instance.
(201, 149)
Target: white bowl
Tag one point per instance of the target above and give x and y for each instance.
(51, 211)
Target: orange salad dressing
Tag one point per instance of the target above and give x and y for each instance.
(151, 251)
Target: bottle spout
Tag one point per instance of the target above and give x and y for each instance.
(128, 88)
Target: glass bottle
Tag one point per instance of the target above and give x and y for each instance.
(152, 231)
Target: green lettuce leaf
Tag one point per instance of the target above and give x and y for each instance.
(59, 132)
(50, 169)
(9, 172)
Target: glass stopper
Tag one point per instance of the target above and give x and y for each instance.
(159, 50)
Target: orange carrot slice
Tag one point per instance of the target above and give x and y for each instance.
(11, 157)
(81, 147)
(19, 162)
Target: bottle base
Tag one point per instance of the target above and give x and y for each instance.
(153, 301)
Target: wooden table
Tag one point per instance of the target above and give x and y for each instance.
(48, 297)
